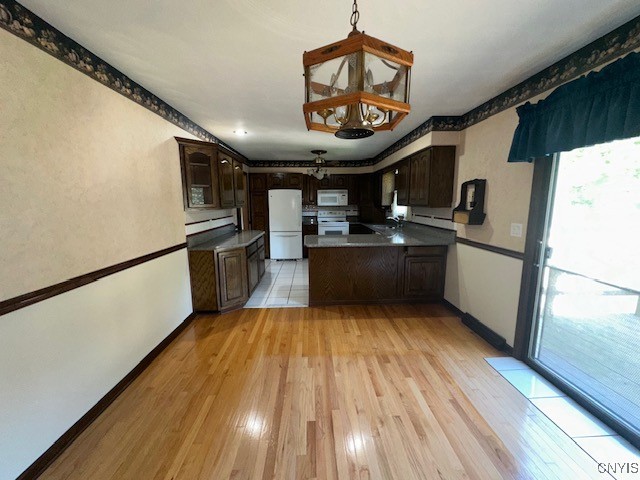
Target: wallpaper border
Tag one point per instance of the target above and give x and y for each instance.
(25, 24)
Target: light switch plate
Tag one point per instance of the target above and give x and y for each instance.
(516, 230)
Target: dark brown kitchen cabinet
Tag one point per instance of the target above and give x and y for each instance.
(348, 275)
(441, 172)
(211, 176)
(253, 266)
(294, 181)
(285, 180)
(308, 230)
(365, 188)
(223, 281)
(226, 176)
(419, 178)
(275, 180)
(239, 186)
(261, 257)
(200, 182)
(310, 190)
(232, 275)
(431, 177)
(424, 272)
(403, 181)
(340, 182)
(353, 189)
(258, 182)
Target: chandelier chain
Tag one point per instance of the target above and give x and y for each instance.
(355, 15)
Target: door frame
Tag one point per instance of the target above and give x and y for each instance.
(538, 208)
(540, 203)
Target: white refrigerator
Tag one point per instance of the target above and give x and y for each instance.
(285, 224)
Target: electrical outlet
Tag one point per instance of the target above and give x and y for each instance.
(516, 230)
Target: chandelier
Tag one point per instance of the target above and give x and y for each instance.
(356, 86)
(318, 171)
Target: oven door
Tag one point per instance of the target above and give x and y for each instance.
(333, 228)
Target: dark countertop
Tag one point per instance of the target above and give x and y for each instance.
(229, 242)
(408, 236)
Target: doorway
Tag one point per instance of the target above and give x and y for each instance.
(584, 286)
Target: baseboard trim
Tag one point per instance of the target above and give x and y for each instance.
(451, 306)
(484, 332)
(67, 438)
(491, 337)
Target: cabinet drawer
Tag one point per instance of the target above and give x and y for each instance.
(422, 251)
(252, 248)
(260, 242)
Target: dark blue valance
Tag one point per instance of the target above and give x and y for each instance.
(597, 108)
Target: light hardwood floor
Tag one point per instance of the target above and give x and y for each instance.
(359, 392)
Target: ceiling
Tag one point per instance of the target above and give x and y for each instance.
(237, 64)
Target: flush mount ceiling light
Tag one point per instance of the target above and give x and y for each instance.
(356, 86)
(318, 171)
(240, 133)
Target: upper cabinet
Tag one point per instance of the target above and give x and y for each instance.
(310, 190)
(211, 176)
(403, 182)
(285, 180)
(419, 178)
(425, 179)
(226, 175)
(239, 183)
(200, 183)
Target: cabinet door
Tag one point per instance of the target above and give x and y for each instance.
(258, 182)
(307, 230)
(354, 189)
(232, 271)
(325, 183)
(253, 273)
(419, 178)
(260, 212)
(365, 188)
(309, 190)
(261, 262)
(441, 172)
(225, 171)
(200, 177)
(239, 183)
(202, 272)
(275, 180)
(293, 181)
(402, 182)
(340, 181)
(424, 277)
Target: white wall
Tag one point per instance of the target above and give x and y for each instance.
(60, 356)
(89, 180)
(486, 285)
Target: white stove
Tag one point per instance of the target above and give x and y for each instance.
(332, 222)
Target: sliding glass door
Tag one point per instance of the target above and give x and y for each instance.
(586, 326)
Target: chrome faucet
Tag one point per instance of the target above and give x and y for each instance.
(397, 220)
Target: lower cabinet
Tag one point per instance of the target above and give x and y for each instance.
(308, 230)
(222, 281)
(351, 275)
(424, 273)
(232, 274)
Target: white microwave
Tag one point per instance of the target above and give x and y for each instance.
(333, 198)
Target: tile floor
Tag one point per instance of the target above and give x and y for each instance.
(285, 284)
(595, 438)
